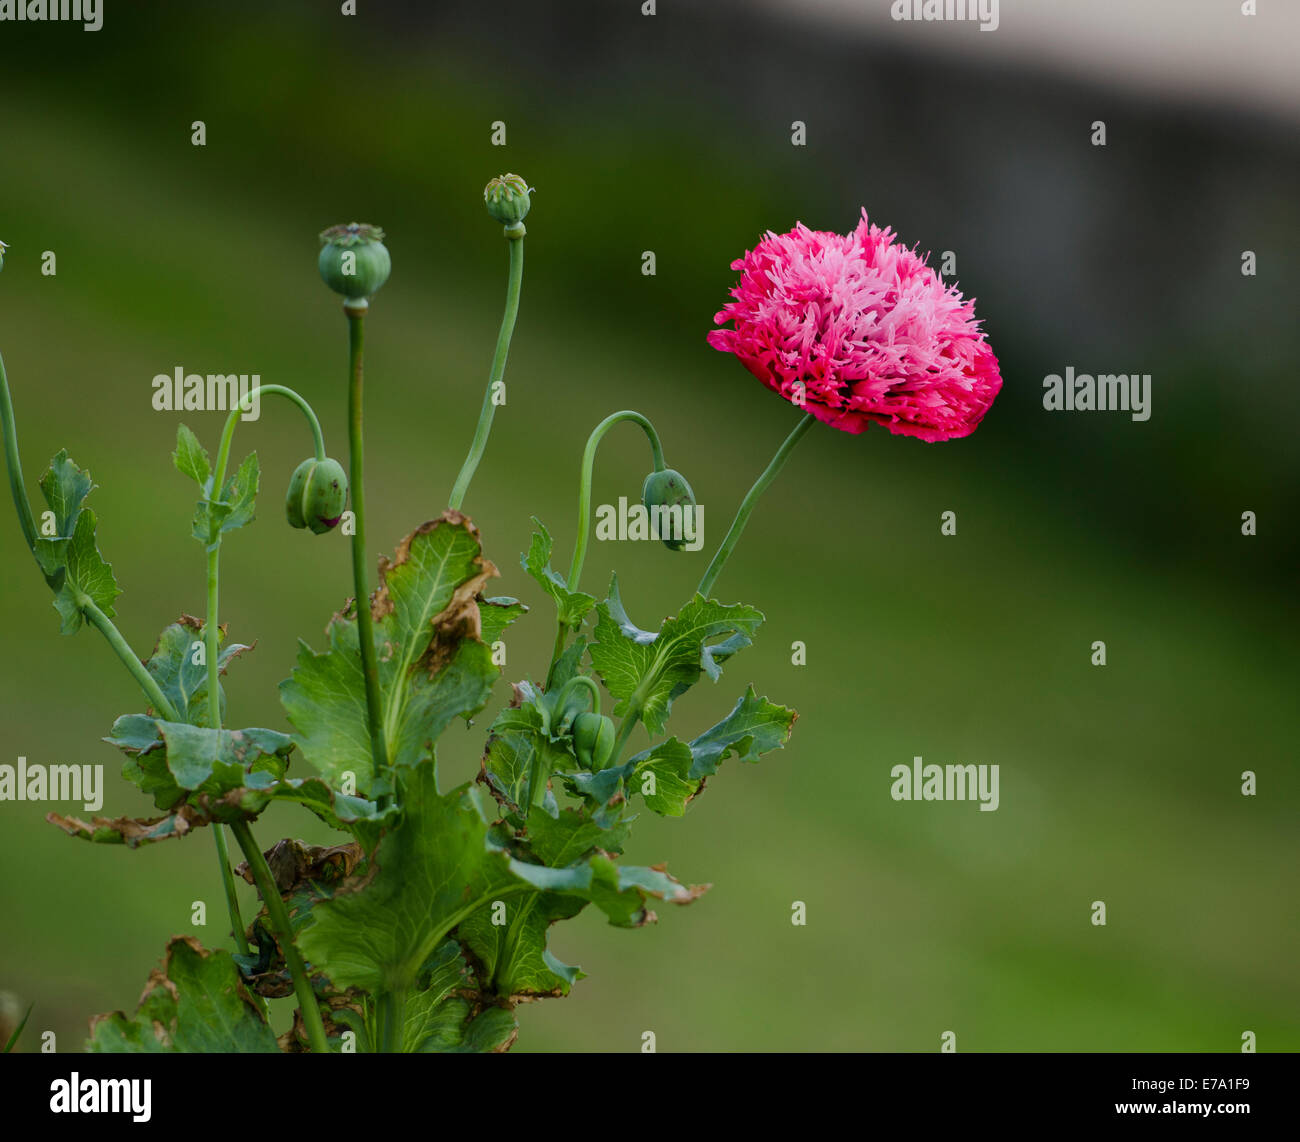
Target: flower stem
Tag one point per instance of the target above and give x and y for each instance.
(748, 503)
(122, 649)
(584, 507)
(584, 481)
(228, 879)
(356, 314)
(279, 920)
(485, 415)
(211, 630)
(16, 485)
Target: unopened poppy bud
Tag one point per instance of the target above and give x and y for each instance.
(507, 199)
(354, 260)
(318, 489)
(593, 740)
(666, 490)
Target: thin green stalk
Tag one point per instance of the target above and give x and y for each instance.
(279, 920)
(228, 879)
(25, 519)
(122, 649)
(356, 313)
(584, 481)
(750, 500)
(584, 507)
(481, 433)
(211, 629)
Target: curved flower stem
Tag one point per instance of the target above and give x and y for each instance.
(485, 415)
(750, 500)
(584, 506)
(279, 918)
(211, 630)
(356, 313)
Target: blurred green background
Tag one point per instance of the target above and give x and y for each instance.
(672, 134)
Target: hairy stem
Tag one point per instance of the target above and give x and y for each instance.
(279, 920)
(748, 503)
(484, 429)
(356, 313)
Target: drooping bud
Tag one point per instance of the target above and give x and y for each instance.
(671, 504)
(507, 199)
(318, 490)
(354, 260)
(593, 740)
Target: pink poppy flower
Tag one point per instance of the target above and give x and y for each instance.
(857, 328)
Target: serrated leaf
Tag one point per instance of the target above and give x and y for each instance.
(571, 606)
(662, 776)
(754, 727)
(517, 735)
(190, 457)
(514, 957)
(455, 1030)
(236, 506)
(438, 868)
(69, 559)
(432, 665)
(206, 760)
(183, 680)
(431, 871)
(496, 614)
(196, 1002)
(65, 488)
(657, 668)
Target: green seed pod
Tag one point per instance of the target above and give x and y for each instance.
(354, 260)
(666, 491)
(507, 199)
(593, 740)
(318, 489)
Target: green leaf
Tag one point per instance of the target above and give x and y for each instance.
(190, 457)
(572, 606)
(69, 558)
(235, 508)
(206, 760)
(65, 487)
(433, 870)
(452, 1030)
(514, 957)
(662, 776)
(754, 727)
(432, 666)
(516, 736)
(496, 614)
(427, 1015)
(183, 680)
(196, 1003)
(438, 868)
(650, 670)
